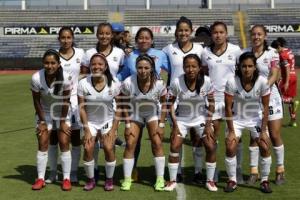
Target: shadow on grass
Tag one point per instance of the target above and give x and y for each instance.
(147, 177)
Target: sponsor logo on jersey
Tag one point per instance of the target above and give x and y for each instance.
(208, 58)
(174, 53)
(230, 57)
(218, 61)
(78, 60)
(257, 92)
(266, 60)
(115, 59)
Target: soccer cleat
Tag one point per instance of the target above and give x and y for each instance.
(239, 176)
(52, 177)
(159, 184)
(170, 186)
(211, 186)
(253, 178)
(179, 178)
(119, 142)
(73, 177)
(39, 184)
(126, 184)
(231, 186)
(66, 185)
(265, 187)
(135, 175)
(293, 124)
(279, 178)
(109, 184)
(199, 178)
(90, 185)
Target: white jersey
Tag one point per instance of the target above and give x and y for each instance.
(176, 55)
(71, 67)
(51, 104)
(115, 59)
(143, 104)
(247, 104)
(191, 107)
(221, 67)
(265, 62)
(98, 104)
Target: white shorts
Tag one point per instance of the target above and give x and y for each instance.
(51, 124)
(275, 108)
(143, 120)
(253, 126)
(98, 128)
(219, 110)
(75, 117)
(184, 128)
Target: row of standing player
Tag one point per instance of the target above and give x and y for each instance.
(175, 53)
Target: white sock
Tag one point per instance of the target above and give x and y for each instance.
(96, 153)
(265, 165)
(89, 168)
(181, 152)
(254, 156)
(279, 155)
(66, 160)
(52, 157)
(198, 155)
(159, 165)
(173, 167)
(230, 164)
(110, 169)
(42, 158)
(75, 153)
(239, 155)
(210, 170)
(127, 167)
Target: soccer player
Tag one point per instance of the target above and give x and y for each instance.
(113, 54)
(144, 92)
(50, 92)
(246, 96)
(96, 94)
(70, 58)
(220, 59)
(122, 37)
(114, 57)
(288, 82)
(176, 52)
(192, 90)
(144, 42)
(268, 66)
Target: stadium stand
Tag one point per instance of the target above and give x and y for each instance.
(33, 46)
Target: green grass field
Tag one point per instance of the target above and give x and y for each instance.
(18, 160)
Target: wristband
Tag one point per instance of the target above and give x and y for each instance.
(161, 125)
(127, 125)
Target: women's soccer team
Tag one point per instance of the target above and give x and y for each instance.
(81, 98)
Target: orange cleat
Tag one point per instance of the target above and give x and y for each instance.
(39, 184)
(66, 185)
